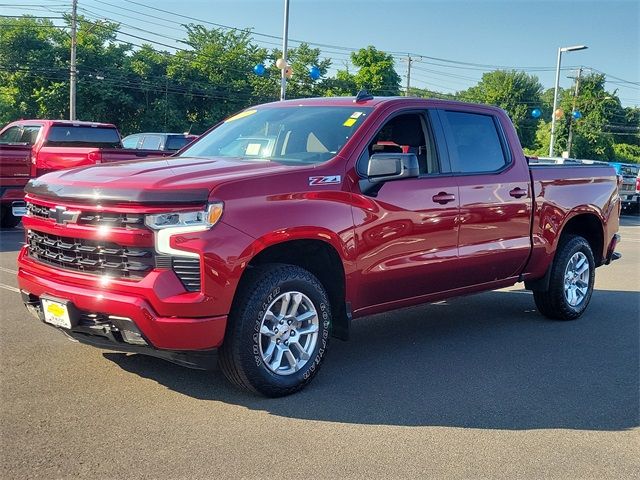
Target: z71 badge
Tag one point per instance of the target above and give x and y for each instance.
(326, 180)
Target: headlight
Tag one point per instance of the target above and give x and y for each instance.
(175, 223)
(204, 218)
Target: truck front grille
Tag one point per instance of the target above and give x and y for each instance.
(108, 219)
(89, 256)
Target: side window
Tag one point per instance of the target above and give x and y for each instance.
(406, 133)
(11, 135)
(474, 141)
(151, 142)
(131, 141)
(30, 134)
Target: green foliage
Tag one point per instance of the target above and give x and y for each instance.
(376, 72)
(623, 152)
(515, 92)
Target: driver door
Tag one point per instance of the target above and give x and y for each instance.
(407, 234)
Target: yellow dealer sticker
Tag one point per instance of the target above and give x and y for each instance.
(351, 121)
(237, 116)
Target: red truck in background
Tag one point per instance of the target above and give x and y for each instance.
(30, 148)
(269, 233)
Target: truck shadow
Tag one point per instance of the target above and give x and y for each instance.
(487, 361)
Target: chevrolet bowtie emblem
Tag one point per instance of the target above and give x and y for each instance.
(62, 215)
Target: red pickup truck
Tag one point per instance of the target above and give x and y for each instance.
(272, 231)
(30, 148)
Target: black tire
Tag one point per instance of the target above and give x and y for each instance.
(7, 219)
(240, 357)
(553, 303)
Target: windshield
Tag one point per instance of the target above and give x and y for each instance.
(290, 135)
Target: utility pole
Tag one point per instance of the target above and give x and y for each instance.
(409, 60)
(285, 38)
(573, 109)
(73, 74)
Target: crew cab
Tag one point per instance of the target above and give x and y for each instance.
(30, 148)
(271, 232)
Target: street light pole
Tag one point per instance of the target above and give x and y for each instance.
(285, 39)
(555, 93)
(73, 74)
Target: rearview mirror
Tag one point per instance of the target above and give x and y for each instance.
(386, 167)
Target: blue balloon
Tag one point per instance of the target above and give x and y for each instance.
(535, 113)
(576, 115)
(259, 69)
(314, 73)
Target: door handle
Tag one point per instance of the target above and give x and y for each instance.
(443, 198)
(518, 192)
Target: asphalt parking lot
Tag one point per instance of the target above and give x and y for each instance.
(480, 386)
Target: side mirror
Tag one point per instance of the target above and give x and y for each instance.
(386, 167)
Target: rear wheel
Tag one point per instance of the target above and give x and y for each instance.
(7, 218)
(278, 331)
(571, 281)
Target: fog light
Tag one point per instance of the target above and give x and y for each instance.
(129, 330)
(133, 337)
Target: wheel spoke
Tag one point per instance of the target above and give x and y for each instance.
(277, 359)
(306, 316)
(582, 284)
(270, 317)
(269, 353)
(284, 304)
(308, 330)
(297, 298)
(293, 363)
(264, 330)
(303, 354)
(571, 295)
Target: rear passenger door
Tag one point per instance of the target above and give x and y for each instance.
(495, 201)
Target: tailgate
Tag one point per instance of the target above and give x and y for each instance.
(15, 161)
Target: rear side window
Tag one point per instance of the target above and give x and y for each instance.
(131, 141)
(81, 136)
(475, 143)
(176, 142)
(30, 134)
(10, 135)
(151, 142)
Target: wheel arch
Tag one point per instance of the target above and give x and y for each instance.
(318, 256)
(584, 222)
(590, 226)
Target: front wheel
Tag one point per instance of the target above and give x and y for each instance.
(278, 330)
(571, 281)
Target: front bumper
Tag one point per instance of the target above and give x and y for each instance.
(169, 333)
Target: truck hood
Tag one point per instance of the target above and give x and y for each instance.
(160, 180)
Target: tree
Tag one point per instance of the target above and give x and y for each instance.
(32, 68)
(376, 72)
(515, 92)
(623, 152)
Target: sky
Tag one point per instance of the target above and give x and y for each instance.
(523, 34)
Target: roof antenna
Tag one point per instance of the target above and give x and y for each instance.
(363, 96)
